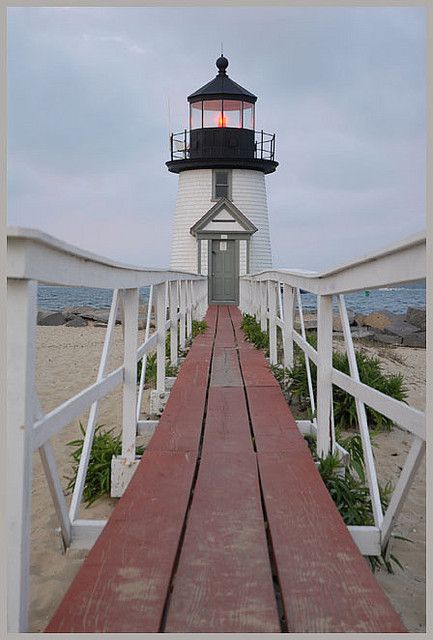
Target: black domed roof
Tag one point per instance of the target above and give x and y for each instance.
(222, 86)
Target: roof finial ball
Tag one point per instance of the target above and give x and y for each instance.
(222, 63)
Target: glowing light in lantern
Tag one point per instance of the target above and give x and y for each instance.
(222, 120)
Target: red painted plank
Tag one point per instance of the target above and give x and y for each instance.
(225, 336)
(327, 586)
(227, 426)
(223, 582)
(236, 317)
(225, 368)
(256, 370)
(122, 584)
(269, 410)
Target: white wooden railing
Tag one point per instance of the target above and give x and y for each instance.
(273, 297)
(34, 257)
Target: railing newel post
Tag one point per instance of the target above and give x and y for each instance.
(161, 331)
(173, 323)
(288, 315)
(272, 298)
(129, 409)
(182, 297)
(263, 306)
(324, 375)
(21, 357)
(188, 284)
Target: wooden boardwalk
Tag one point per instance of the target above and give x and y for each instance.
(226, 525)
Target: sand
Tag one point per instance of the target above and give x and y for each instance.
(67, 361)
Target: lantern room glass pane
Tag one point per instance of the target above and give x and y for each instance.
(213, 113)
(196, 115)
(248, 115)
(232, 113)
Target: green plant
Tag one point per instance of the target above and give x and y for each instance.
(253, 332)
(198, 326)
(170, 370)
(98, 478)
(370, 373)
(349, 491)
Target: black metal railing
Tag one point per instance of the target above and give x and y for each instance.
(264, 145)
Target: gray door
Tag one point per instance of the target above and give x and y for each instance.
(224, 271)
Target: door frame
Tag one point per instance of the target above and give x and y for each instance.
(209, 262)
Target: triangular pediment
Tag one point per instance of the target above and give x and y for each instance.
(224, 217)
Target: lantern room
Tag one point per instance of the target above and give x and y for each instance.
(222, 123)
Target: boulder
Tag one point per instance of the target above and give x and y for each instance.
(379, 319)
(387, 339)
(415, 340)
(50, 318)
(401, 329)
(359, 320)
(362, 332)
(77, 321)
(417, 317)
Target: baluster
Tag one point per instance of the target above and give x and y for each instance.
(129, 410)
(272, 297)
(173, 323)
(21, 348)
(288, 313)
(161, 331)
(324, 374)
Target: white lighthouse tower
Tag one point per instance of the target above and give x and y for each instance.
(221, 224)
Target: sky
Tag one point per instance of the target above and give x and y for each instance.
(94, 92)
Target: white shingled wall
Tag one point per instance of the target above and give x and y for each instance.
(194, 200)
(249, 195)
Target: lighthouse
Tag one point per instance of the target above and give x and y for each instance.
(221, 222)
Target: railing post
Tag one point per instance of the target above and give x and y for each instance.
(272, 297)
(21, 347)
(288, 313)
(263, 306)
(188, 284)
(182, 297)
(324, 374)
(129, 408)
(161, 331)
(173, 323)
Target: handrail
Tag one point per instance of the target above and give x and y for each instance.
(401, 262)
(34, 256)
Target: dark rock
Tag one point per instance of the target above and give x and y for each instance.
(387, 339)
(416, 316)
(76, 322)
(401, 329)
(362, 332)
(359, 320)
(50, 318)
(415, 340)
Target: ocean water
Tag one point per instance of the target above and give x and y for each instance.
(396, 300)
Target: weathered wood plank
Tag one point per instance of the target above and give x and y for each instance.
(225, 336)
(236, 317)
(224, 582)
(255, 369)
(225, 368)
(122, 585)
(327, 586)
(227, 426)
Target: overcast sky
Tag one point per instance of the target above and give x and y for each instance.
(342, 88)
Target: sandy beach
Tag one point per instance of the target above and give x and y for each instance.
(67, 361)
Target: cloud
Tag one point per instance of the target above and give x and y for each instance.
(343, 88)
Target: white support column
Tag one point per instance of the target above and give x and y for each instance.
(144, 359)
(21, 348)
(188, 284)
(263, 306)
(173, 323)
(182, 297)
(161, 331)
(288, 314)
(272, 297)
(324, 374)
(129, 410)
